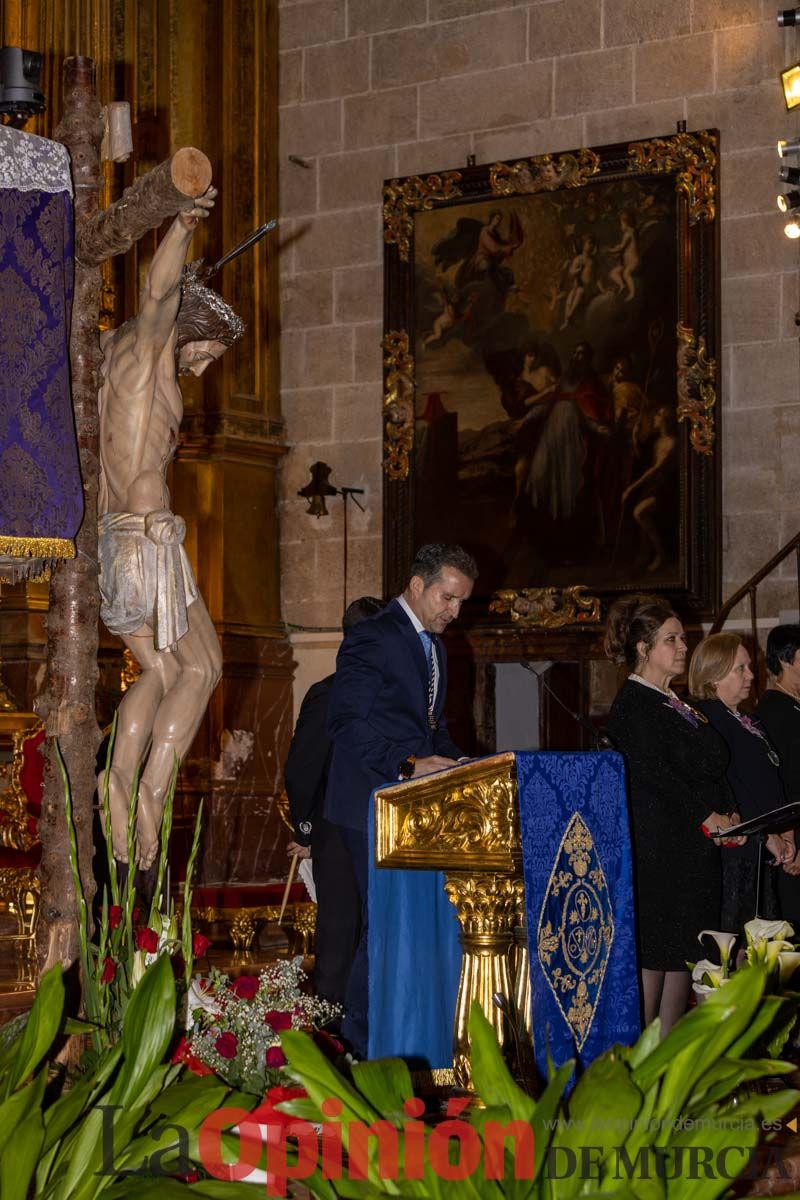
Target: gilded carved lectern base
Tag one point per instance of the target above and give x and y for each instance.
(464, 822)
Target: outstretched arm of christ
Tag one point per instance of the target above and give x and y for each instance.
(161, 294)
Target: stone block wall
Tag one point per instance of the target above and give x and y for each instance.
(377, 88)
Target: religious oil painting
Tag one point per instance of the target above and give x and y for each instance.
(551, 350)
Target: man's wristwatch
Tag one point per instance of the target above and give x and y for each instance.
(406, 768)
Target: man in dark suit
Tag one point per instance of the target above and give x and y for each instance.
(306, 776)
(386, 718)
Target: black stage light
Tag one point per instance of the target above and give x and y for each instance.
(789, 174)
(789, 16)
(788, 146)
(789, 201)
(20, 84)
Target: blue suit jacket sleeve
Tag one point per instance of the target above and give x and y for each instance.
(357, 683)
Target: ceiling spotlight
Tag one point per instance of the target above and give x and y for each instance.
(788, 146)
(789, 16)
(790, 80)
(792, 230)
(789, 174)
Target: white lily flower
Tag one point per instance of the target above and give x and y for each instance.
(774, 950)
(724, 941)
(199, 998)
(706, 976)
(788, 962)
(759, 930)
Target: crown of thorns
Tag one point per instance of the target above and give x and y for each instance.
(203, 314)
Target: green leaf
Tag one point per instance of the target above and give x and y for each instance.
(762, 1021)
(188, 1118)
(178, 1095)
(72, 1025)
(147, 1028)
(18, 1107)
(40, 1029)
(77, 1155)
(602, 1112)
(16, 1170)
(728, 1074)
(770, 1107)
(321, 1080)
(386, 1084)
(490, 1075)
(695, 1043)
(62, 1115)
(694, 1155)
(647, 1043)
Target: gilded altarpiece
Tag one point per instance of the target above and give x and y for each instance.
(201, 74)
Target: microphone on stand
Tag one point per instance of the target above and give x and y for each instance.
(600, 741)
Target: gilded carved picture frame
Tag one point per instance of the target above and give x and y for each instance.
(551, 385)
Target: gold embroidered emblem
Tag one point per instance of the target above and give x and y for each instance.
(576, 928)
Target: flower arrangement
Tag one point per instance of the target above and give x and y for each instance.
(235, 1025)
(127, 941)
(766, 942)
(767, 948)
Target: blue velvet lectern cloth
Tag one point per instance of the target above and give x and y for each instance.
(577, 867)
(579, 900)
(414, 957)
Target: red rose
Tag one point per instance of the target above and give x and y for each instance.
(146, 939)
(245, 987)
(109, 971)
(114, 916)
(328, 1044)
(227, 1045)
(196, 1066)
(183, 1054)
(278, 1020)
(180, 1051)
(277, 1095)
(200, 944)
(275, 1057)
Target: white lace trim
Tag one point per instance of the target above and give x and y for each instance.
(33, 164)
(646, 683)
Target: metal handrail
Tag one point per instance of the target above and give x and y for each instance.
(750, 588)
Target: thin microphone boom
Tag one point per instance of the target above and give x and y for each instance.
(600, 741)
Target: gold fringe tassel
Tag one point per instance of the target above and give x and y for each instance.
(33, 547)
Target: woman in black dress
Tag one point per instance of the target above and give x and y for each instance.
(720, 679)
(676, 784)
(779, 712)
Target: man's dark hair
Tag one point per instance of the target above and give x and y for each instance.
(783, 643)
(429, 560)
(359, 610)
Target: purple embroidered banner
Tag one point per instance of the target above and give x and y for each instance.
(41, 495)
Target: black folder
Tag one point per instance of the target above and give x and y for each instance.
(785, 817)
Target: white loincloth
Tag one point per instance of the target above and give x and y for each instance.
(145, 575)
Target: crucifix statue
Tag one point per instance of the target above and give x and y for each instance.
(149, 596)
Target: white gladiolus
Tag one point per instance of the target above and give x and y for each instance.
(139, 966)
